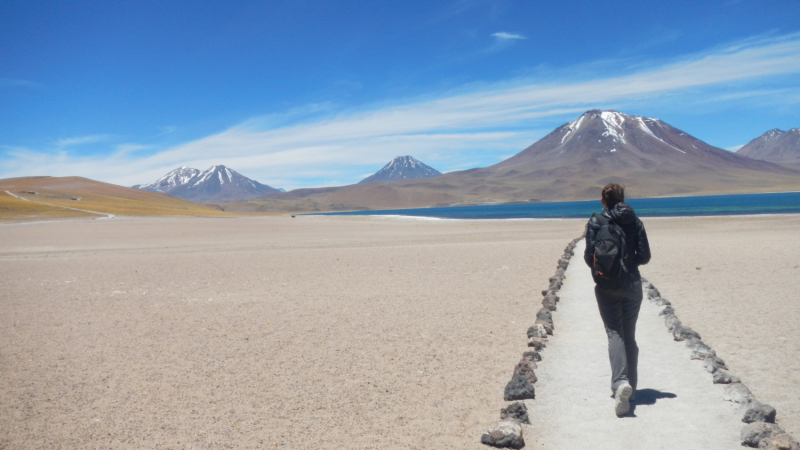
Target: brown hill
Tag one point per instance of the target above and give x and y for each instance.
(571, 163)
(776, 146)
(50, 197)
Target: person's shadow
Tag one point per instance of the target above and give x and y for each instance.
(645, 397)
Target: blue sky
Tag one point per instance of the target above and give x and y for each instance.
(301, 94)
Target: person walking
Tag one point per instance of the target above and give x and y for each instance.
(616, 245)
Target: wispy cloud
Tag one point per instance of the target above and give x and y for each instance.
(9, 82)
(81, 140)
(478, 124)
(504, 36)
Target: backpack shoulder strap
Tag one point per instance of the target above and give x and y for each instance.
(601, 219)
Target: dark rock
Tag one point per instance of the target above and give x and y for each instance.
(701, 350)
(505, 434)
(753, 433)
(779, 442)
(537, 331)
(666, 311)
(723, 377)
(548, 326)
(561, 273)
(516, 411)
(681, 333)
(544, 315)
(525, 367)
(671, 321)
(552, 296)
(759, 412)
(549, 304)
(563, 264)
(544, 292)
(533, 356)
(702, 354)
(536, 343)
(713, 363)
(519, 388)
(738, 393)
(653, 293)
(661, 301)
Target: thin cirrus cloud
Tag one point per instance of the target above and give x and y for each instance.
(481, 124)
(504, 36)
(81, 140)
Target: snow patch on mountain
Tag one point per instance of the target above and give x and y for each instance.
(403, 168)
(217, 183)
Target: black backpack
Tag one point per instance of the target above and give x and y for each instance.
(608, 266)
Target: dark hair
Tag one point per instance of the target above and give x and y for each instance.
(612, 194)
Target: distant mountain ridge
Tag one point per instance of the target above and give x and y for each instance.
(573, 162)
(216, 184)
(776, 146)
(402, 168)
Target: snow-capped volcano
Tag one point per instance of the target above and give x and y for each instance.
(610, 141)
(171, 180)
(218, 183)
(403, 168)
(776, 146)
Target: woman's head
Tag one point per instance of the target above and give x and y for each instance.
(612, 194)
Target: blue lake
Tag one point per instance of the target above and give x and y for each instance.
(710, 205)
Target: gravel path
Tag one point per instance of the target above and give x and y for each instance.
(107, 215)
(678, 406)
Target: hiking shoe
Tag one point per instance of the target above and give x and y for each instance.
(622, 403)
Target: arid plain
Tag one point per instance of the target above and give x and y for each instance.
(334, 332)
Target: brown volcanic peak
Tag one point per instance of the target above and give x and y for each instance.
(776, 146)
(610, 140)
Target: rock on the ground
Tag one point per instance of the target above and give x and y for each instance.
(519, 388)
(552, 295)
(779, 442)
(505, 434)
(722, 376)
(537, 331)
(549, 304)
(525, 368)
(653, 293)
(759, 412)
(713, 363)
(671, 321)
(753, 433)
(738, 393)
(544, 315)
(666, 311)
(517, 411)
(536, 343)
(661, 301)
(699, 349)
(681, 333)
(548, 326)
(534, 356)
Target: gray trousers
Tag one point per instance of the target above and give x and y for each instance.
(619, 310)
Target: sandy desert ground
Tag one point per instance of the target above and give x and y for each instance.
(323, 332)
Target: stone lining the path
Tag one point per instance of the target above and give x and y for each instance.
(507, 433)
(761, 430)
